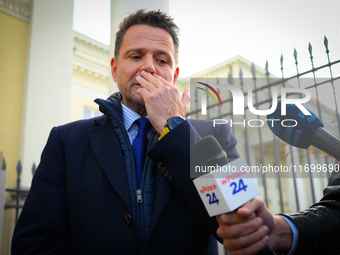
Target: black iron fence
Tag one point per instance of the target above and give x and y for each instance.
(17, 194)
(260, 147)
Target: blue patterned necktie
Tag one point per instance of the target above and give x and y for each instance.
(139, 146)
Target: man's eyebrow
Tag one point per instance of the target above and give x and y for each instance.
(136, 49)
(161, 52)
(143, 49)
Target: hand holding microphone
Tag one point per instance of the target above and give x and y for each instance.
(226, 188)
(243, 233)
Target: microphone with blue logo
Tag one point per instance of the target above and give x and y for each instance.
(302, 131)
(219, 195)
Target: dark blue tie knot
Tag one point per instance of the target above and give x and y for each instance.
(143, 123)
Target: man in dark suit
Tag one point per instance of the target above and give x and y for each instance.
(86, 197)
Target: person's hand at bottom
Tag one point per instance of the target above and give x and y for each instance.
(250, 228)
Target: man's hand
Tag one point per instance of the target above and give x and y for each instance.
(242, 232)
(162, 99)
(252, 227)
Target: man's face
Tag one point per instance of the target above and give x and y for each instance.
(143, 48)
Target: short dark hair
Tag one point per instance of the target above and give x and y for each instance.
(156, 19)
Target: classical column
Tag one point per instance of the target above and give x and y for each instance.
(119, 10)
(48, 75)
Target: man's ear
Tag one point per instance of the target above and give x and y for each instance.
(176, 75)
(114, 66)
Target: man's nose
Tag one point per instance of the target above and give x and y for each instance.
(148, 65)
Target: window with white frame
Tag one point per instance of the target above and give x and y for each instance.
(90, 113)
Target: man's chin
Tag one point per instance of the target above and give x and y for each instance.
(138, 101)
(139, 104)
(134, 103)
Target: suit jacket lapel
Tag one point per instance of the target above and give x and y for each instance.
(106, 146)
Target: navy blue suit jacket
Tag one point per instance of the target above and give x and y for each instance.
(79, 198)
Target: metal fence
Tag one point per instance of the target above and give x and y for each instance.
(259, 146)
(17, 194)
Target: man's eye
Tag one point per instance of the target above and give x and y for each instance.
(162, 61)
(135, 57)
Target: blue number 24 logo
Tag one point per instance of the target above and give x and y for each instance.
(212, 199)
(241, 186)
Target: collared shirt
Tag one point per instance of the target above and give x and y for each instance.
(129, 117)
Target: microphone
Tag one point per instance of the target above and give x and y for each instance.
(227, 186)
(208, 151)
(300, 130)
(221, 193)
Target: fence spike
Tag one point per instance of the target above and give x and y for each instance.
(241, 73)
(281, 61)
(3, 164)
(230, 75)
(19, 168)
(325, 42)
(253, 69)
(33, 168)
(267, 66)
(310, 49)
(230, 78)
(295, 55)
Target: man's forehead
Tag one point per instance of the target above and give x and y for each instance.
(144, 27)
(148, 34)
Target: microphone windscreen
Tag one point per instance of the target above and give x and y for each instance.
(208, 151)
(298, 132)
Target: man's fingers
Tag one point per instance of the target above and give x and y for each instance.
(247, 240)
(146, 84)
(231, 218)
(258, 204)
(245, 213)
(239, 230)
(246, 210)
(154, 79)
(246, 230)
(162, 99)
(251, 206)
(154, 83)
(252, 249)
(164, 82)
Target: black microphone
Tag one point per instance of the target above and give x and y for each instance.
(300, 130)
(209, 152)
(326, 142)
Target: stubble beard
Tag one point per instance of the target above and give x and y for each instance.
(136, 105)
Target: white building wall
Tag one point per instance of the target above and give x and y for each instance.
(47, 88)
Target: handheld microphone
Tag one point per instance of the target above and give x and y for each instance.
(225, 191)
(208, 151)
(227, 186)
(300, 130)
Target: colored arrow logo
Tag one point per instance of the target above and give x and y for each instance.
(208, 92)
